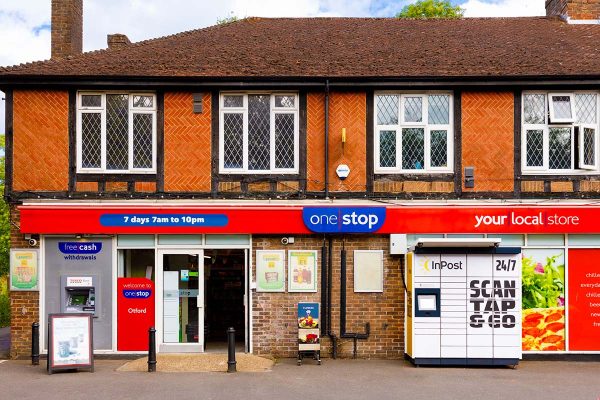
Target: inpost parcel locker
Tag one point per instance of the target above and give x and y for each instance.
(463, 303)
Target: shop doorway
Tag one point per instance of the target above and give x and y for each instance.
(225, 278)
(183, 279)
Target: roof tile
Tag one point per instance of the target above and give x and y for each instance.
(346, 48)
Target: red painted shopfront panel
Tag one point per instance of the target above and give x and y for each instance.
(135, 313)
(289, 219)
(584, 299)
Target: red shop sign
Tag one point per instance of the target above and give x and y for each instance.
(584, 299)
(289, 219)
(135, 313)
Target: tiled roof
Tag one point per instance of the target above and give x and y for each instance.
(361, 48)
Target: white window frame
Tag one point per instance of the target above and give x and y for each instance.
(424, 124)
(102, 111)
(576, 139)
(273, 111)
(547, 155)
(582, 164)
(550, 103)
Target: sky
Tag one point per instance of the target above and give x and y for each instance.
(25, 24)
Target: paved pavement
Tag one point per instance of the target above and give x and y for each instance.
(4, 342)
(335, 379)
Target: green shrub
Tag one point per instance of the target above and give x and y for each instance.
(4, 302)
(4, 310)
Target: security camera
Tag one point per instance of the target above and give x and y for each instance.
(284, 240)
(33, 242)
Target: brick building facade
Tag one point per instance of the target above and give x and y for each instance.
(168, 126)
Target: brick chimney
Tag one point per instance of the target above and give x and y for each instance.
(66, 28)
(117, 41)
(579, 11)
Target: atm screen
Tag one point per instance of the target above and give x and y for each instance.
(78, 300)
(427, 302)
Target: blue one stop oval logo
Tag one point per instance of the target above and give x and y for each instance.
(343, 219)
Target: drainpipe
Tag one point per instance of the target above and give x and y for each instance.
(326, 285)
(324, 311)
(327, 139)
(343, 333)
(329, 291)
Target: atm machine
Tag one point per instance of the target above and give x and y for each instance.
(463, 302)
(78, 294)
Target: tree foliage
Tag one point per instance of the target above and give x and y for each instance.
(4, 246)
(425, 9)
(4, 218)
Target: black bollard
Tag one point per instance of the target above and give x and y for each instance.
(231, 364)
(35, 343)
(152, 350)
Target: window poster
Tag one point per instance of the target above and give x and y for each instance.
(24, 269)
(302, 271)
(584, 299)
(70, 341)
(543, 300)
(270, 270)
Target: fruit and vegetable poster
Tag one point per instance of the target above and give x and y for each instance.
(308, 327)
(24, 269)
(543, 300)
(270, 271)
(302, 271)
(584, 299)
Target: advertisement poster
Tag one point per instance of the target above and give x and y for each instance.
(584, 299)
(543, 300)
(308, 326)
(270, 271)
(302, 271)
(23, 269)
(70, 341)
(135, 313)
(368, 271)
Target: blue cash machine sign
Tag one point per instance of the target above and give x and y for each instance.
(343, 219)
(80, 247)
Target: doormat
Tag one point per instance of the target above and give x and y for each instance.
(199, 363)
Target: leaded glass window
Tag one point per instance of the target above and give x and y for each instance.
(413, 133)
(560, 143)
(559, 132)
(561, 108)
(387, 149)
(413, 148)
(259, 133)
(535, 148)
(116, 132)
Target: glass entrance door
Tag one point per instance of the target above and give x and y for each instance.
(182, 300)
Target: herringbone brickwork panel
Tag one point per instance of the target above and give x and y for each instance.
(315, 142)
(488, 139)
(348, 110)
(187, 144)
(40, 140)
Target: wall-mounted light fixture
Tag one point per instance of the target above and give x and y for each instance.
(343, 135)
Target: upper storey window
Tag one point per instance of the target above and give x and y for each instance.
(258, 133)
(560, 132)
(413, 133)
(116, 132)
